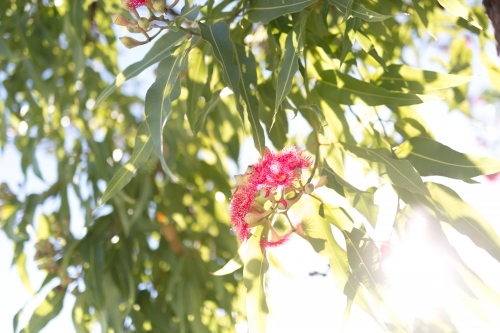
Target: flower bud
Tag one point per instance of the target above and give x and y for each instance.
(309, 188)
(119, 19)
(134, 29)
(264, 193)
(283, 204)
(144, 23)
(159, 6)
(130, 42)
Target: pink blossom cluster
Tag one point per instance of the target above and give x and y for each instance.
(274, 171)
(135, 3)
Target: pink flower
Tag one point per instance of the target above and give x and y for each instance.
(134, 3)
(264, 244)
(240, 206)
(279, 169)
(275, 170)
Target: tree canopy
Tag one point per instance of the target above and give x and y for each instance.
(151, 175)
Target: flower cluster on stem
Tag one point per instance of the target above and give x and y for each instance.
(276, 179)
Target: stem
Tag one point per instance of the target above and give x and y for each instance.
(171, 6)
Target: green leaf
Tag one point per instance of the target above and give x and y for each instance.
(399, 172)
(358, 10)
(195, 81)
(188, 12)
(209, 107)
(321, 122)
(248, 84)
(367, 46)
(319, 234)
(344, 89)
(3, 125)
(414, 80)
(161, 49)
(432, 158)
(159, 100)
(93, 256)
(455, 7)
(263, 11)
(465, 219)
(294, 45)
(222, 46)
(235, 263)
(255, 266)
(142, 149)
(46, 311)
(23, 273)
(80, 314)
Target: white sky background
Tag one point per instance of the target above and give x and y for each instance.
(298, 302)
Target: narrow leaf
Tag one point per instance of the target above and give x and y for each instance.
(432, 158)
(255, 266)
(293, 48)
(235, 263)
(142, 150)
(263, 11)
(359, 11)
(159, 99)
(414, 80)
(344, 89)
(455, 7)
(465, 219)
(161, 49)
(399, 172)
(46, 311)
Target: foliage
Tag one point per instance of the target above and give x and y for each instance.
(153, 187)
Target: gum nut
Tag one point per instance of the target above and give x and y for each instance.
(159, 6)
(130, 42)
(309, 188)
(249, 169)
(144, 23)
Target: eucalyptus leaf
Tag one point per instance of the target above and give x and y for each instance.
(432, 158)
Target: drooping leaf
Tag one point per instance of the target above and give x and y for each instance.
(456, 8)
(248, 84)
(344, 89)
(142, 149)
(254, 268)
(399, 172)
(293, 48)
(236, 262)
(358, 10)
(414, 80)
(94, 268)
(465, 219)
(263, 11)
(159, 100)
(46, 311)
(160, 50)
(80, 314)
(432, 158)
(321, 122)
(195, 81)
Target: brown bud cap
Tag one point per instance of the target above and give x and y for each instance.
(159, 6)
(322, 181)
(130, 42)
(144, 23)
